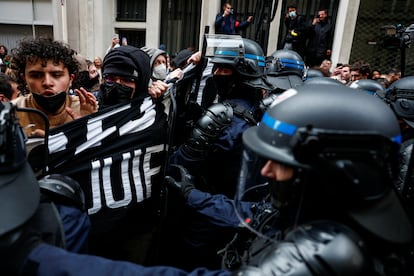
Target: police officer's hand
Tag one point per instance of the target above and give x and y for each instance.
(179, 180)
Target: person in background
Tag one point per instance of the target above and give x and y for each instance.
(5, 88)
(3, 54)
(375, 74)
(97, 61)
(346, 74)
(158, 62)
(114, 43)
(320, 39)
(326, 65)
(225, 22)
(295, 38)
(5, 93)
(93, 83)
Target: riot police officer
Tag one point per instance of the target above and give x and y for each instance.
(213, 150)
(322, 170)
(399, 97)
(285, 69)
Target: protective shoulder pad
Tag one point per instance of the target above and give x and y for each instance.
(62, 189)
(330, 248)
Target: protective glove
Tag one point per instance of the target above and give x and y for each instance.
(179, 180)
(207, 130)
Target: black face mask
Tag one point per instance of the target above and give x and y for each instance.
(224, 85)
(116, 93)
(51, 104)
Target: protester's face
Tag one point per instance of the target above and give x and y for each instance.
(47, 80)
(356, 75)
(122, 81)
(346, 74)
(98, 63)
(277, 171)
(161, 59)
(93, 72)
(376, 75)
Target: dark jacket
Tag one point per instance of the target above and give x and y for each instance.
(320, 39)
(229, 25)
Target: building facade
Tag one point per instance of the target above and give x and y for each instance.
(88, 25)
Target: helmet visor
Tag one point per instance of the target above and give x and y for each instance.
(224, 46)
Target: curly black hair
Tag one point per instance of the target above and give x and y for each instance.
(30, 50)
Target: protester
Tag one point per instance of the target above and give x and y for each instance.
(47, 69)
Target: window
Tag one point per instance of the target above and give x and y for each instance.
(131, 10)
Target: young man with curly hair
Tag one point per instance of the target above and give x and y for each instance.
(46, 69)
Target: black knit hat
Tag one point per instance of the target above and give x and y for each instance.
(131, 62)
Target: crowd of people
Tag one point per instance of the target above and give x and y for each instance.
(286, 166)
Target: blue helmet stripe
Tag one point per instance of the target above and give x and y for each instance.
(278, 125)
(293, 63)
(260, 59)
(397, 139)
(226, 53)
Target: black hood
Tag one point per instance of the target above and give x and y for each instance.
(129, 61)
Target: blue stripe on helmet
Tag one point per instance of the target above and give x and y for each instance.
(292, 63)
(278, 125)
(260, 59)
(226, 53)
(397, 139)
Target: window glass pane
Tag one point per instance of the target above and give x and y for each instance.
(131, 10)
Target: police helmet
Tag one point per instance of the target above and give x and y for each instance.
(400, 96)
(247, 61)
(329, 132)
(312, 73)
(19, 189)
(322, 80)
(63, 189)
(285, 62)
(369, 86)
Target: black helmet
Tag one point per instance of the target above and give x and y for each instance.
(19, 190)
(369, 86)
(312, 73)
(346, 157)
(247, 60)
(284, 70)
(400, 96)
(63, 189)
(285, 62)
(322, 80)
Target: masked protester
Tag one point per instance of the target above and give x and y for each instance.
(126, 73)
(47, 69)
